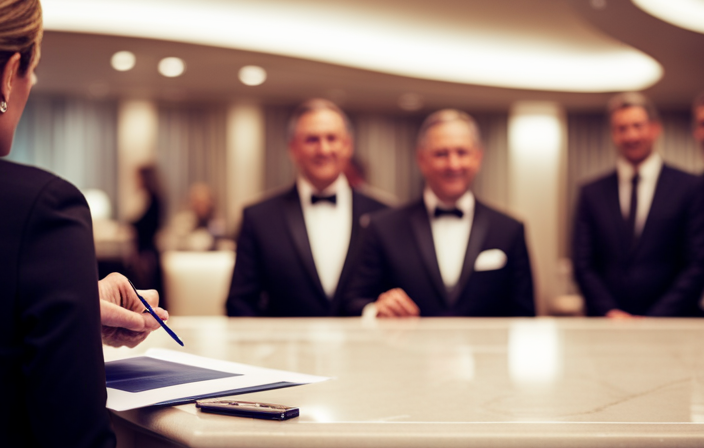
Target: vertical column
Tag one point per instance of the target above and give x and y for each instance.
(537, 181)
(137, 127)
(245, 158)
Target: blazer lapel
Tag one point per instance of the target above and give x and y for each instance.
(612, 207)
(424, 238)
(480, 227)
(297, 226)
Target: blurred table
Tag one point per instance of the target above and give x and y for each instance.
(446, 383)
(113, 240)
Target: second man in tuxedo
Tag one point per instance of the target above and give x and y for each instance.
(446, 254)
(296, 250)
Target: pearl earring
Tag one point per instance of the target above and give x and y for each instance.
(3, 106)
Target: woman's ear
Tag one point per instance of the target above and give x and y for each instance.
(9, 75)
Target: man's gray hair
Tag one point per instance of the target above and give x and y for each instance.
(312, 105)
(446, 116)
(632, 99)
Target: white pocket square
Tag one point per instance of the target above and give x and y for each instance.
(490, 260)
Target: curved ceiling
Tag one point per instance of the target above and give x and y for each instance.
(687, 14)
(468, 42)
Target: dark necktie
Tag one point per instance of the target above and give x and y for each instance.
(314, 199)
(632, 210)
(448, 212)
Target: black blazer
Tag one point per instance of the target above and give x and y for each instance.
(274, 273)
(398, 252)
(52, 375)
(663, 275)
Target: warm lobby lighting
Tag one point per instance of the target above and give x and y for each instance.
(123, 61)
(172, 67)
(399, 44)
(252, 75)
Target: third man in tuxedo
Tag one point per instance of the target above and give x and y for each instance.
(446, 254)
(638, 247)
(296, 249)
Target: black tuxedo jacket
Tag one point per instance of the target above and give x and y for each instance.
(52, 375)
(275, 274)
(398, 252)
(663, 274)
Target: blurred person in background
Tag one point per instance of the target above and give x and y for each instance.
(296, 250)
(146, 265)
(52, 373)
(638, 240)
(446, 254)
(198, 228)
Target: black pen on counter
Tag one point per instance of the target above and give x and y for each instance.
(158, 319)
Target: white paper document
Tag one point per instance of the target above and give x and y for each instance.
(149, 379)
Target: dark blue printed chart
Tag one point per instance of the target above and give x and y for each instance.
(145, 373)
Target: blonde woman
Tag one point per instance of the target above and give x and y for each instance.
(52, 377)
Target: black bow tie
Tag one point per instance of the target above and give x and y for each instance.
(452, 211)
(331, 199)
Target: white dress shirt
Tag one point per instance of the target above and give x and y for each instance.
(450, 234)
(649, 171)
(329, 229)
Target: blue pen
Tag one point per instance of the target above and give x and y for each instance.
(158, 319)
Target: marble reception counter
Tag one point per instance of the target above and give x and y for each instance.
(446, 382)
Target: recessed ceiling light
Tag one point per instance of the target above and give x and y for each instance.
(252, 75)
(687, 14)
(123, 61)
(172, 67)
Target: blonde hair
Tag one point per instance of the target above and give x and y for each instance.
(20, 31)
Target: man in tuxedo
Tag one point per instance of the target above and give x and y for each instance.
(446, 254)
(638, 243)
(296, 249)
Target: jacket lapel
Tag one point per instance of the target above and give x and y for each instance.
(354, 238)
(297, 226)
(659, 199)
(612, 207)
(420, 222)
(354, 241)
(480, 227)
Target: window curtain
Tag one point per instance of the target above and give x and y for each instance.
(191, 148)
(279, 172)
(75, 138)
